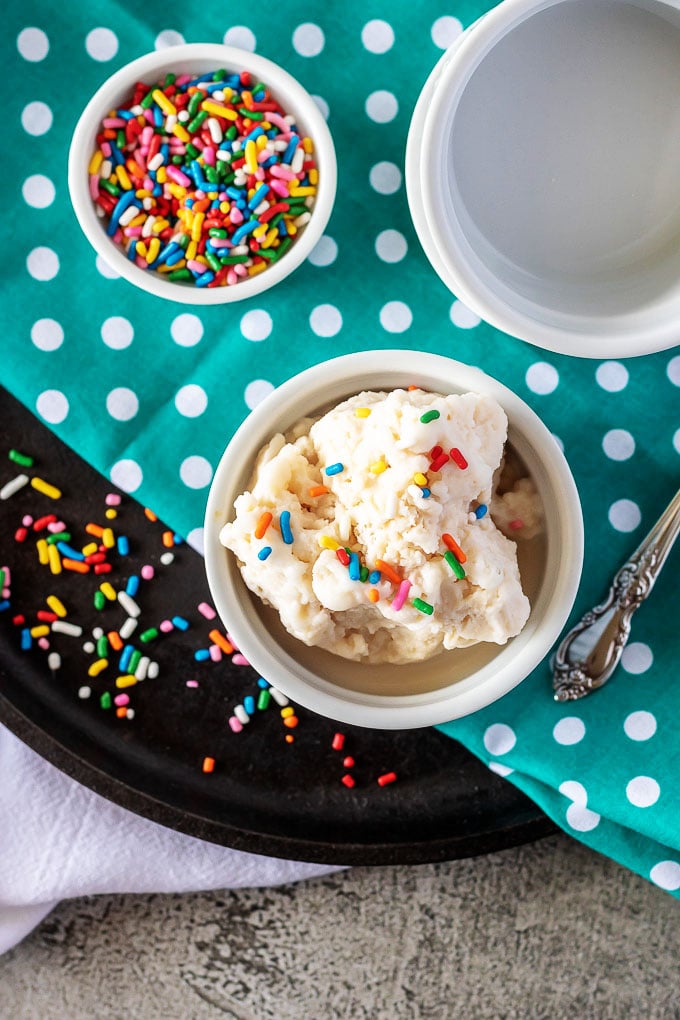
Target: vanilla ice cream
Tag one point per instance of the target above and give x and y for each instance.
(368, 529)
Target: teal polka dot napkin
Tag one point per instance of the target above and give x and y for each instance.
(150, 391)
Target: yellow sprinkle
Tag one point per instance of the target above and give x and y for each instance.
(224, 207)
(88, 549)
(143, 193)
(419, 478)
(54, 559)
(254, 270)
(40, 631)
(95, 162)
(218, 110)
(154, 248)
(362, 412)
(326, 542)
(138, 220)
(181, 132)
(301, 192)
(159, 224)
(251, 156)
(176, 190)
(260, 231)
(110, 514)
(190, 252)
(313, 176)
(107, 590)
(270, 237)
(290, 227)
(97, 667)
(47, 490)
(43, 551)
(127, 680)
(140, 249)
(261, 141)
(56, 605)
(308, 145)
(378, 466)
(124, 179)
(197, 226)
(287, 712)
(162, 100)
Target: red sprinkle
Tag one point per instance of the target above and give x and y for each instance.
(348, 762)
(439, 462)
(458, 458)
(342, 556)
(388, 777)
(338, 742)
(46, 616)
(19, 620)
(103, 568)
(20, 534)
(348, 780)
(42, 522)
(516, 524)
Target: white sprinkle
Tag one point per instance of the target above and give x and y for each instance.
(128, 628)
(148, 225)
(183, 116)
(97, 632)
(157, 161)
(62, 627)
(298, 160)
(88, 648)
(147, 203)
(153, 670)
(241, 714)
(130, 714)
(215, 130)
(142, 668)
(278, 696)
(11, 487)
(223, 155)
(54, 661)
(84, 692)
(128, 215)
(128, 604)
(106, 169)
(303, 218)
(279, 146)
(137, 110)
(170, 122)
(167, 558)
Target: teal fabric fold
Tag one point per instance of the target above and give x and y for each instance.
(149, 391)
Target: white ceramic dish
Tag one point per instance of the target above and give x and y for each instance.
(541, 171)
(450, 685)
(199, 58)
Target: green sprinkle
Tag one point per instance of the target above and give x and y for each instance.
(177, 160)
(105, 700)
(196, 122)
(428, 417)
(231, 133)
(263, 700)
(220, 75)
(232, 260)
(2, 578)
(112, 189)
(250, 114)
(99, 599)
(213, 261)
(20, 458)
(103, 647)
(148, 100)
(422, 606)
(134, 660)
(120, 139)
(217, 232)
(62, 536)
(180, 274)
(192, 150)
(363, 574)
(149, 635)
(455, 565)
(195, 102)
(170, 79)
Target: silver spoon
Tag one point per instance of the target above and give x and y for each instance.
(589, 653)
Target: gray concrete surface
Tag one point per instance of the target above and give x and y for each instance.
(549, 930)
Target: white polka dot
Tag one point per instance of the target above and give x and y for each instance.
(618, 444)
(324, 252)
(574, 791)
(168, 37)
(542, 378)
(117, 332)
(382, 106)
(325, 320)
(390, 246)
(673, 370)
(676, 440)
(666, 874)
(463, 317)
(500, 769)
(624, 515)
(241, 36)
(445, 30)
(308, 40)
(127, 475)
(323, 106)
(256, 325)
(122, 403)
(637, 657)
(191, 400)
(195, 540)
(569, 730)
(377, 36)
(499, 738)
(43, 263)
(52, 405)
(36, 118)
(395, 317)
(640, 725)
(186, 329)
(38, 191)
(47, 334)
(101, 44)
(33, 44)
(256, 391)
(385, 178)
(612, 376)
(581, 818)
(195, 472)
(105, 269)
(643, 791)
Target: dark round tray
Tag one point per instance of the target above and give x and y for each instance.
(265, 795)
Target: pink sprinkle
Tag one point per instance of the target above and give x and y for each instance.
(121, 699)
(278, 120)
(177, 176)
(145, 136)
(239, 660)
(215, 653)
(400, 597)
(27, 521)
(6, 593)
(282, 173)
(232, 641)
(196, 267)
(166, 626)
(516, 524)
(232, 278)
(132, 231)
(140, 262)
(94, 186)
(112, 499)
(113, 122)
(8, 576)
(182, 79)
(192, 683)
(235, 215)
(209, 155)
(44, 643)
(235, 724)
(280, 188)
(147, 572)
(240, 269)
(106, 149)
(206, 610)
(56, 526)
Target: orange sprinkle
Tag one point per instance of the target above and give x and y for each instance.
(168, 539)
(291, 721)
(411, 388)
(76, 565)
(151, 516)
(374, 595)
(389, 572)
(262, 525)
(121, 712)
(115, 640)
(221, 642)
(94, 529)
(318, 490)
(208, 765)
(451, 544)
(289, 738)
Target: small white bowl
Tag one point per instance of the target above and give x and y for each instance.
(449, 685)
(200, 58)
(542, 171)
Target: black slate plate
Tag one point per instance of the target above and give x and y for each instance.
(265, 795)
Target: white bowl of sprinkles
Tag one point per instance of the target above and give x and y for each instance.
(444, 687)
(211, 183)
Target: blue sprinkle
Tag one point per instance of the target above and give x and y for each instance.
(265, 551)
(126, 199)
(354, 568)
(125, 657)
(426, 492)
(180, 623)
(204, 279)
(249, 704)
(116, 156)
(5, 604)
(259, 196)
(262, 683)
(284, 524)
(255, 133)
(201, 655)
(374, 576)
(244, 230)
(480, 511)
(132, 586)
(290, 151)
(26, 639)
(122, 545)
(177, 539)
(71, 554)
(334, 469)
(176, 256)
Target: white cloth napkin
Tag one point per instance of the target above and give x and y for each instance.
(58, 839)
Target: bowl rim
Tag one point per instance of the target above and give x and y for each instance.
(287, 90)
(626, 336)
(288, 402)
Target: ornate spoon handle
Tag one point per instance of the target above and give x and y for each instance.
(589, 653)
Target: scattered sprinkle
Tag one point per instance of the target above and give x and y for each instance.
(386, 778)
(423, 607)
(429, 416)
(458, 458)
